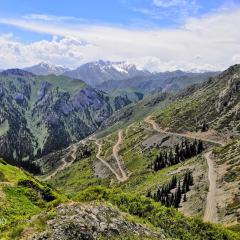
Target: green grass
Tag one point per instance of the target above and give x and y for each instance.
(134, 113)
(62, 82)
(229, 155)
(108, 143)
(12, 174)
(77, 177)
(235, 204)
(232, 175)
(188, 113)
(235, 228)
(21, 200)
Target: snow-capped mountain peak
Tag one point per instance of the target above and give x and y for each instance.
(100, 71)
(44, 68)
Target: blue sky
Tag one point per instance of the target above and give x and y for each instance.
(98, 26)
(119, 12)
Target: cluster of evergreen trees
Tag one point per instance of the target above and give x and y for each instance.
(181, 152)
(30, 166)
(171, 198)
(204, 127)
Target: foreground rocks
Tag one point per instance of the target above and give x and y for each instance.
(80, 222)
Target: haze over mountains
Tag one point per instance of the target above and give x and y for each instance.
(112, 76)
(166, 81)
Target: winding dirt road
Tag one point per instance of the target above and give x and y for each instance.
(210, 214)
(98, 155)
(72, 154)
(116, 149)
(191, 135)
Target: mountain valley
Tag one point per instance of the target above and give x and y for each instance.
(162, 167)
(120, 120)
(41, 114)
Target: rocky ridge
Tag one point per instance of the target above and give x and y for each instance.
(89, 221)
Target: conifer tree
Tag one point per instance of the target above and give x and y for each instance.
(185, 198)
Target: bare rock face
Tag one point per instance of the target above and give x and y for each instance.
(90, 222)
(228, 96)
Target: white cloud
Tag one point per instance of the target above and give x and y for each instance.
(210, 42)
(44, 17)
(171, 11)
(61, 51)
(169, 3)
(235, 58)
(149, 12)
(176, 10)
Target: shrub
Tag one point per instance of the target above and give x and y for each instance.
(2, 177)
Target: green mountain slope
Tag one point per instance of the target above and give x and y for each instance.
(21, 198)
(31, 210)
(215, 104)
(42, 114)
(142, 142)
(172, 223)
(149, 174)
(166, 81)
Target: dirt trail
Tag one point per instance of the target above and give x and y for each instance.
(210, 214)
(116, 149)
(72, 154)
(98, 155)
(192, 135)
(128, 128)
(123, 176)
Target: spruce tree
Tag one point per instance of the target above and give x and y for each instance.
(185, 198)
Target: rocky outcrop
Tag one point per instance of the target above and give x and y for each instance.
(228, 96)
(90, 222)
(121, 101)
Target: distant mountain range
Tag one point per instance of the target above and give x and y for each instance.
(166, 82)
(46, 69)
(109, 76)
(95, 73)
